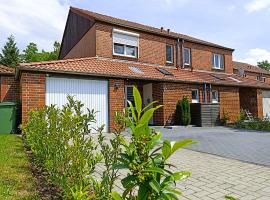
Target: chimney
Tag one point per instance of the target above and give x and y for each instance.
(168, 30)
(161, 28)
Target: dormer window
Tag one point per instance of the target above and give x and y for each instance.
(260, 78)
(125, 43)
(217, 61)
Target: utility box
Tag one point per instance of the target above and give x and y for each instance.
(8, 117)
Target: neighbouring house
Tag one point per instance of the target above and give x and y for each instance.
(101, 58)
(251, 71)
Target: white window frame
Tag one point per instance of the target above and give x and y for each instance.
(217, 96)
(219, 61)
(169, 61)
(197, 100)
(125, 45)
(189, 50)
(125, 51)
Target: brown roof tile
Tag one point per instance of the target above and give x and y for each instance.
(134, 25)
(105, 67)
(6, 70)
(249, 67)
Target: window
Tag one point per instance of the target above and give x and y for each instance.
(169, 53)
(218, 61)
(195, 96)
(125, 43)
(261, 78)
(214, 96)
(187, 56)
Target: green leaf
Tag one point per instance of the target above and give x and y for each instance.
(142, 193)
(128, 180)
(155, 185)
(154, 169)
(148, 115)
(148, 105)
(230, 198)
(137, 99)
(116, 196)
(132, 110)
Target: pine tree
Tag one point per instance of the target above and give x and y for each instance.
(10, 55)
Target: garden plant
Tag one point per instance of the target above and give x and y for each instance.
(85, 166)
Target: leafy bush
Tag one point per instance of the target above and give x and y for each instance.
(146, 158)
(225, 118)
(183, 115)
(255, 124)
(60, 142)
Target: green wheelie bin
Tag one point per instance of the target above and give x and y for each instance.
(8, 117)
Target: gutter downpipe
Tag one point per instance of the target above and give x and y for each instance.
(182, 53)
(210, 93)
(178, 53)
(204, 93)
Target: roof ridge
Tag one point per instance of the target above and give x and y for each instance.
(131, 24)
(55, 61)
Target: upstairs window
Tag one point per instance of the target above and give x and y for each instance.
(125, 43)
(217, 61)
(169, 53)
(195, 96)
(214, 96)
(261, 78)
(187, 57)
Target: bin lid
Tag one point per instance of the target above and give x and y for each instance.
(8, 103)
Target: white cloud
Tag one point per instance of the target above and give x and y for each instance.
(40, 21)
(257, 5)
(256, 55)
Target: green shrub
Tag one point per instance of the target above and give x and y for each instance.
(145, 158)
(60, 142)
(255, 124)
(225, 118)
(183, 115)
(242, 115)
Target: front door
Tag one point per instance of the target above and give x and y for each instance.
(148, 96)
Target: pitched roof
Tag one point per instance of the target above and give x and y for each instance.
(6, 70)
(105, 67)
(249, 67)
(134, 25)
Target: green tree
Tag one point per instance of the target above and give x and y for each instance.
(10, 55)
(264, 65)
(30, 53)
(183, 115)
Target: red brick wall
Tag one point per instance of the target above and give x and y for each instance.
(116, 100)
(201, 57)
(259, 103)
(9, 88)
(152, 49)
(32, 92)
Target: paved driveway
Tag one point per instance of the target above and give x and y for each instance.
(249, 146)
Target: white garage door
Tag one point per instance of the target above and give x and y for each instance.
(266, 103)
(92, 93)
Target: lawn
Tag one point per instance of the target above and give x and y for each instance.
(16, 181)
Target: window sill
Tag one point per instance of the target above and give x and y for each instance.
(122, 55)
(217, 68)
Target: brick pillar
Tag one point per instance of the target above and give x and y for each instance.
(116, 100)
(158, 117)
(32, 92)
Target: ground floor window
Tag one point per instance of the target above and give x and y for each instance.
(214, 96)
(195, 96)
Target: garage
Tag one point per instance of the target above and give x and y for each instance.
(266, 103)
(92, 93)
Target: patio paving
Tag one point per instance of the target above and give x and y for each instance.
(243, 145)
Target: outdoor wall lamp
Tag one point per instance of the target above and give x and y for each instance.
(116, 86)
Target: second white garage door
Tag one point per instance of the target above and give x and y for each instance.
(92, 93)
(266, 103)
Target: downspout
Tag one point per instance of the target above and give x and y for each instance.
(210, 93)
(178, 54)
(204, 93)
(182, 53)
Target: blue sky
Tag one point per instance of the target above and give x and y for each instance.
(242, 25)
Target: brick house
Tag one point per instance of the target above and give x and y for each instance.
(101, 57)
(251, 71)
